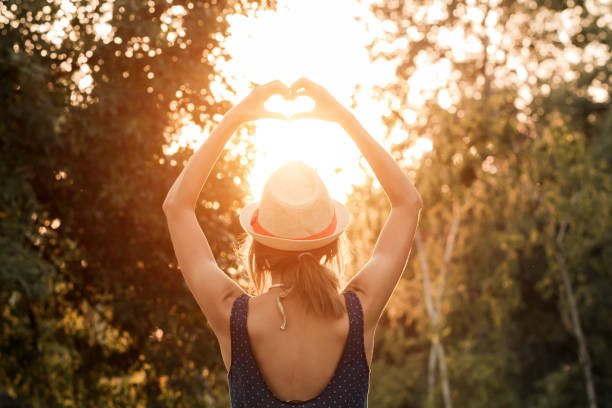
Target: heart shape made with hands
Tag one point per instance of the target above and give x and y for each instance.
(289, 107)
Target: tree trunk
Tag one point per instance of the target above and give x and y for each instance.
(583, 351)
(443, 376)
(436, 353)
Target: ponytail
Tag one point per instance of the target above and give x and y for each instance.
(318, 277)
(318, 286)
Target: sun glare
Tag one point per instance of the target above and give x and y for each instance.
(329, 48)
(326, 42)
(297, 40)
(189, 134)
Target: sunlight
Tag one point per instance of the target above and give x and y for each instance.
(328, 48)
(278, 104)
(189, 134)
(421, 146)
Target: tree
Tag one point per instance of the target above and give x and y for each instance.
(504, 341)
(96, 313)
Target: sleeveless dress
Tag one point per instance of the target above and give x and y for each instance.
(348, 387)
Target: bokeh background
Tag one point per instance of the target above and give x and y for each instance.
(499, 111)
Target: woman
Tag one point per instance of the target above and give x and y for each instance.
(308, 339)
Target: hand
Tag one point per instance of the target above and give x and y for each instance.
(252, 107)
(326, 106)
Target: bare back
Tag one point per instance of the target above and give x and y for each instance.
(299, 362)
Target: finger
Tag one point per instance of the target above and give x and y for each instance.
(303, 91)
(299, 84)
(281, 88)
(285, 91)
(305, 86)
(277, 87)
(292, 94)
(295, 94)
(300, 92)
(304, 82)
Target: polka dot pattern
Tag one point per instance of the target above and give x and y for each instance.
(348, 387)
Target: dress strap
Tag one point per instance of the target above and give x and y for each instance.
(238, 329)
(355, 312)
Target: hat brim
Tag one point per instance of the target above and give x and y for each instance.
(343, 219)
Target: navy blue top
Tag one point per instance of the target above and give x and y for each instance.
(348, 387)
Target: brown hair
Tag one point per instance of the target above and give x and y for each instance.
(317, 280)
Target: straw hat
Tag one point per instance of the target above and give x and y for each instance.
(295, 212)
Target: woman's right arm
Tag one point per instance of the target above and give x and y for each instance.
(377, 279)
(397, 186)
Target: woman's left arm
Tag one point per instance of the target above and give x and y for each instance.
(211, 287)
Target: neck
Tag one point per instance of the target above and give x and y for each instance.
(279, 283)
(284, 277)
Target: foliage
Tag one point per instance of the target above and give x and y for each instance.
(522, 150)
(94, 311)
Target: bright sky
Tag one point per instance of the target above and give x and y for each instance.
(317, 39)
(298, 39)
(323, 41)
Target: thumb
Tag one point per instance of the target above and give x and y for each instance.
(273, 115)
(304, 115)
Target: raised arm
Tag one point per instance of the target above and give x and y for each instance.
(378, 278)
(210, 286)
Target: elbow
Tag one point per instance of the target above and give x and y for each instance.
(409, 197)
(169, 205)
(419, 202)
(411, 202)
(416, 204)
(166, 207)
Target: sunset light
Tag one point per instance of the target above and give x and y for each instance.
(136, 244)
(329, 48)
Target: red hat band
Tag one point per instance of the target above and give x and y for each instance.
(324, 233)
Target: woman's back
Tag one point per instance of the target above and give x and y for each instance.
(315, 362)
